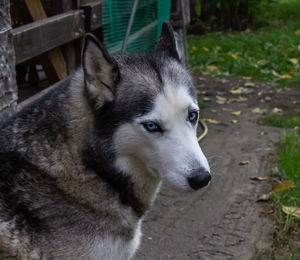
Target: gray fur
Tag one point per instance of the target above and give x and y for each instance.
(60, 195)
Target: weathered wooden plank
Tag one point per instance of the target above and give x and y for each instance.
(93, 18)
(43, 35)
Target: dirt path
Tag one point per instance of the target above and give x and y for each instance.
(224, 220)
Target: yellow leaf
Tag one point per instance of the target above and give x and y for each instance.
(294, 211)
(244, 162)
(214, 110)
(201, 78)
(236, 113)
(247, 78)
(205, 49)
(286, 76)
(293, 60)
(275, 73)
(282, 186)
(260, 178)
(257, 110)
(220, 102)
(194, 48)
(234, 121)
(247, 30)
(239, 99)
(221, 98)
(249, 84)
(212, 68)
(297, 32)
(235, 56)
(211, 121)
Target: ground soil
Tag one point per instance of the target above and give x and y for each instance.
(223, 220)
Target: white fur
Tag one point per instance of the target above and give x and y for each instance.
(171, 156)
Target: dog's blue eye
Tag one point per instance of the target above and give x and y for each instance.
(193, 116)
(151, 127)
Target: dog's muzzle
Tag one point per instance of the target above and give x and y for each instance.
(200, 178)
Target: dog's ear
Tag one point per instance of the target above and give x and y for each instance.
(101, 72)
(167, 42)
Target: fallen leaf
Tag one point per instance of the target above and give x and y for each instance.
(201, 78)
(276, 74)
(212, 68)
(205, 73)
(294, 211)
(205, 49)
(249, 84)
(282, 186)
(259, 178)
(257, 110)
(263, 133)
(286, 76)
(268, 98)
(247, 30)
(235, 56)
(247, 78)
(224, 81)
(244, 162)
(297, 32)
(239, 99)
(239, 90)
(220, 102)
(276, 110)
(264, 197)
(206, 99)
(293, 60)
(236, 113)
(194, 48)
(214, 110)
(234, 121)
(211, 121)
(298, 47)
(221, 98)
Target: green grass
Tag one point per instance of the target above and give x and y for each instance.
(287, 228)
(289, 165)
(200, 102)
(285, 121)
(261, 55)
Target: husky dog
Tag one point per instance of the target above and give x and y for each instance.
(81, 166)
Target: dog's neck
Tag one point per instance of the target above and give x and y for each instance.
(145, 186)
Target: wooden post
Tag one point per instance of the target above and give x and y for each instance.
(8, 86)
(56, 58)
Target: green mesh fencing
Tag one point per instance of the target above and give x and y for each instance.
(146, 27)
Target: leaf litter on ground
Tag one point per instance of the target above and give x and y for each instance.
(211, 121)
(283, 186)
(236, 113)
(294, 211)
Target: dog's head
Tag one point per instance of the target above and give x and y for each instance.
(146, 108)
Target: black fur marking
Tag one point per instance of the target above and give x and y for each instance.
(99, 155)
(166, 42)
(14, 182)
(118, 181)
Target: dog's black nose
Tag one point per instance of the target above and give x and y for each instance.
(199, 179)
